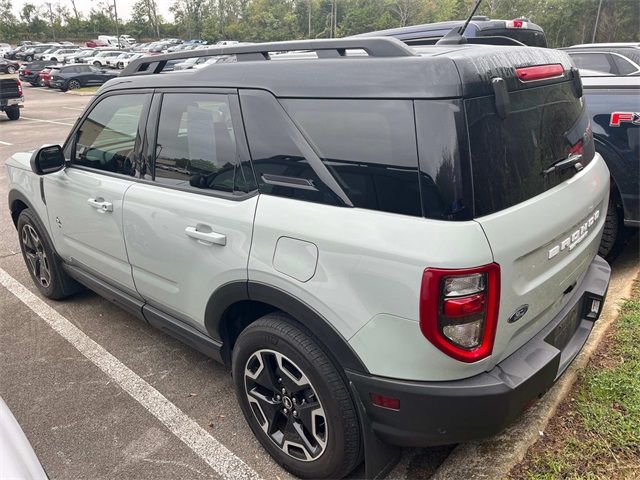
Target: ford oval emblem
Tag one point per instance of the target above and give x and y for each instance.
(519, 313)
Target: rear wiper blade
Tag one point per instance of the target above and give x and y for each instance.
(573, 160)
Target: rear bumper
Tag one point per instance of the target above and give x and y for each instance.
(10, 102)
(439, 413)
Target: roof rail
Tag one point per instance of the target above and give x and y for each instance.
(328, 48)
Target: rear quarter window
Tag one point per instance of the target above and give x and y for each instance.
(369, 146)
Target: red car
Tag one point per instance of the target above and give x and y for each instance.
(44, 77)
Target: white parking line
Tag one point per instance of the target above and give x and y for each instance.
(47, 121)
(73, 108)
(216, 455)
(5, 143)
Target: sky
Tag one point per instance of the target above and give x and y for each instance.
(84, 6)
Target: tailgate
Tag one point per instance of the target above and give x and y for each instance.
(544, 247)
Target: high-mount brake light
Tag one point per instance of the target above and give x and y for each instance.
(459, 310)
(540, 72)
(517, 23)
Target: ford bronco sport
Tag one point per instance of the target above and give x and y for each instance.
(388, 246)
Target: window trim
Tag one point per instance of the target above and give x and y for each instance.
(242, 149)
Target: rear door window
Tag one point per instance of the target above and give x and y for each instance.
(196, 144)
(593, 61)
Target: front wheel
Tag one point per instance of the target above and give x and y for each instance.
(73, 85)
(97, 64)
(295, 400)
(11, 69)
(13, 113)
(28, 58)
(44, 265)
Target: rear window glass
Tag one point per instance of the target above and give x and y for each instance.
(527, 36)
(369, 146)
(592, 61)
(508, 156)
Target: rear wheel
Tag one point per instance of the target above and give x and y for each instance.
(11, 69)
(97, 64)
(73, 85)
(13, 113)
(28, 58)
(611, 228)
(295, 400)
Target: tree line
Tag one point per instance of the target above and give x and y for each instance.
(566, 22)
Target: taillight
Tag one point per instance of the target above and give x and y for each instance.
(27, 72)
(459, 310)
(540, 72)
(518, 23)
(19, 88)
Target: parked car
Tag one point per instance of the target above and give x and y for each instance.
(71, 77)
(520, 29)
(29, 72)
(118, 61)
(60, 54)
(11, 54)
(608, 58)
(7, 66)
(44, 77)
(37, 51)
(11, 98)
(613, 104)
(133, 56)
(78, 56)
(19, 461)
(190, 63)
(100, 58)
(393, 249)
(4, 48)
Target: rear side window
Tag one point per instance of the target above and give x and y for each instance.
(625, 67)
(369, 146)
(592, 61)
(509, 156)
(196, 144)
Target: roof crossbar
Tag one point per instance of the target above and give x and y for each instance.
(326, 48)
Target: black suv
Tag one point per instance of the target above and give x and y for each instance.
(28, 72)
(520, 30)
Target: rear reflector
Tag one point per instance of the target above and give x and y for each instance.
(540, 72)
(385, 402)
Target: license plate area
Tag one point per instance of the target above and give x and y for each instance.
(559, 337)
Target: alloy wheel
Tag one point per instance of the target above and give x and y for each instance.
(285, 405)
(11, 69)
(37, 260)
(74, 84)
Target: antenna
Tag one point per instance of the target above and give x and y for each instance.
(456, 36)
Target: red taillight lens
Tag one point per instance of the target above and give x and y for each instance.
(459, 310)
(540, 72)
(27, 72)
(19, 88)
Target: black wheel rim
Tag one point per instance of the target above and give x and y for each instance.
(37, 260)
(11, 70)
(73, 84)
(285, 405)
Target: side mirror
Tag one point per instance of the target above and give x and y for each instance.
(47, 159)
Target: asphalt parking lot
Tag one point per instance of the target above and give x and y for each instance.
(102, 395)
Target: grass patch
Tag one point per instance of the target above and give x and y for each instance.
(83, 91)
(596, 433)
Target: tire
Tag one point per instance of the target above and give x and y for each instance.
(97, 64)
(120, 66)
(44, 265)
(611, 228)
(41, 83)
(13, 113)
(318, 403)
(54, 59)
(11, 69)
(28, 58)
(73, 85)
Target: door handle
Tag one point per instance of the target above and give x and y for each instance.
(100, 205)
(206, 238)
